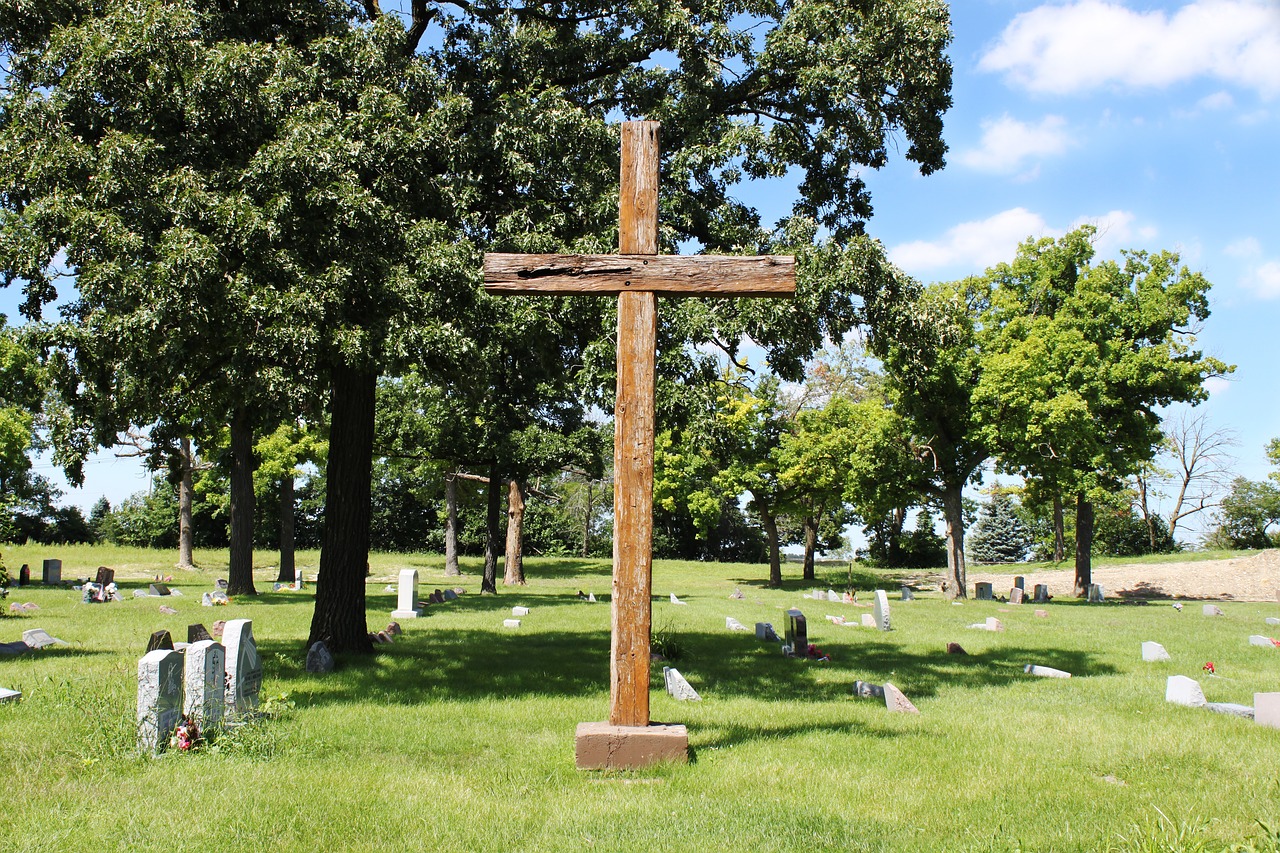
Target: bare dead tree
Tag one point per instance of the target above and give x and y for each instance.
(1200, 469)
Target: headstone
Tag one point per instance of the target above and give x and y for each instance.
(105, 576)
(591, 598)
(510, 623)
(220, 584)
(737, 595)
(244, 667)
(867, 690)
(765, 632)
(158, 589)
(907, 594)
(1212, 610)
(994, 624)
(1041, 593)
(1231, 708)
(24, 575)
(1266, 709)
(832, 595)
(1043, 614)
(1015, 596)
(955, 649)
(895, 701)
(319, 658)
(1045, 671)
(1181, 690)
(675, 600)
(1020, 583)
(982, 592)
(7, 695)
(796, 636)
(407, 596)
(1259, 640)
(159, 698)
(160, 640)
(835, 620)
(1153, 652)
(38, 638)
(197, 632)
(167, 610)
(882, 610)
(734, 625)
(1273, 620)
(205, 683)
(1096, 593)
(678, 687)
(868, 620)
(52, 572)
(519, 611)
(450, 595)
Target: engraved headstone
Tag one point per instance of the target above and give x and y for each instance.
(796, 636)
(734, 625)
(1041, 593)
(868, 620)
(1181, 690)
(160, 640)
(882, 610)
(1096, 593)
(982, 592)
(158, 589)
(1212, 610)
(205, 683)
(104, 576)
(867, 690)
(678, 687)
(1015, 595)
(765, 632)
(1153, 652)
(52, 572)
(407, 596)
(38, 638)
(894, 700)
(159, 698)
(197, 632)
(907, 594)
(832, 595)
(244, 667)
(1020, 582)
(319, 658)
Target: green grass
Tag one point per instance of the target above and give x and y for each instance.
(460, 735)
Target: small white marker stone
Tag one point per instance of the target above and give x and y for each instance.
(1045, 671)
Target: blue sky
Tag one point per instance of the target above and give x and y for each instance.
(1156, 121)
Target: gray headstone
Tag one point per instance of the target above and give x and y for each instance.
(1096, 593)
(159, 698)
(158, 589)
(52, 572)
(1231, 708)
(407, 596)
(1020, 582)
(982, 592)
(1015, 596)
(1041, 593)
(319, 658)
(765, 632)
(220, 584)
(678, 687)
(1259, 640)
(796, 635)
(894, 700)
(734, 625)
(450, 595)
(867, 690)
(1273, 620)
(907, 594)
(832, 595)
(882, 610)
(205, 682)
(38, 638)
(244, 667)
(1266, 709)
(1181, 690)
(1154, 652)
(1045, 671)
(1212, 610)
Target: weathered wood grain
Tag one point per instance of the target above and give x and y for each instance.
(670, 275)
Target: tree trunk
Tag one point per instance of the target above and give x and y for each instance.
(287, 563)
(953, 514)
(1059, 531)
(513, 564)
(186, 491)
(810, 546)
(771, 534)
(339, 618)
(451, 526)
(586, 524)
(893, 548)
(1146, 514)
(1084, 545)
(240, 572)
(489, 581)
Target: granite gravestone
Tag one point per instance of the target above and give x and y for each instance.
(894, 700)
(1020, 583)
(796, 637)
(907, 595)
(982, 592)
(159, 698)
(158, 589)
(24, 575)
(407, 596)
(159, 640)
(678, 686)
(104, 576)
(1096, 593)
(244, 667)
(1041, 593)
(1153, 652)
(205, 683)
(52, 572)
(1015, 595)
(197, 632)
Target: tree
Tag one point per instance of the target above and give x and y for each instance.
(1080, 356)
(998, 535)
(1247, 515)
(1201, 464)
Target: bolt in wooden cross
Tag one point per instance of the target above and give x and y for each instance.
(636, 274)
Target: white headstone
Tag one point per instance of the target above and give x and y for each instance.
(1273, 620)
(868, 621)
(734, 625)
(894, 700)
(678, 687)
(510, 623)
(205, 683)
(1259, 640)
(1211, 610)
(832, 595)
(244, 667)
(882, 610)
(407, 596)
(994, 624)
(1181, 690)
(159, 698)
(1045, 671)
(675, 600)
(1154, 652)
(38, 638)
(764, 631)
(1266, 709)
(1231, 708)
(1096, 593)
(7, 695)
(519, 611)
(591, 597)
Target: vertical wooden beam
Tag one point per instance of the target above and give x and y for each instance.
(633, 441)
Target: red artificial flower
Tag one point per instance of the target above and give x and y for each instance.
(1208, 667)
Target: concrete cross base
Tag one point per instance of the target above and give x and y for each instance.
(601, 746)
(405, 614)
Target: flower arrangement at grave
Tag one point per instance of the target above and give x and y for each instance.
(1209, 668)
(187, 735)
(817, 653)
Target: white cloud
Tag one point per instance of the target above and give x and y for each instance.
(1217, 385)
(1116, 231)
(1216, 101)
(1246, 247)
(972, 245)
(1088, 44)
(1007, 143)
(1264, 280)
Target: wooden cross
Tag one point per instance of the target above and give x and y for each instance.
(636, 274)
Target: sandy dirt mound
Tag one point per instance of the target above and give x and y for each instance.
(1255, 578)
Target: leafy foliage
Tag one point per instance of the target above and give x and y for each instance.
(998, 535)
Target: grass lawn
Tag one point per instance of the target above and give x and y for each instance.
(459, 736)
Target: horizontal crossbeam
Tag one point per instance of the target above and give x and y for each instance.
(671, 275)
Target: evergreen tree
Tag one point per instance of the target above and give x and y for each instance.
(998, 536)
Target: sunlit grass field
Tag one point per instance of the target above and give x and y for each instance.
(459, 736)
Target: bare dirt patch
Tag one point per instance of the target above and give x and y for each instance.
(1255, 578)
